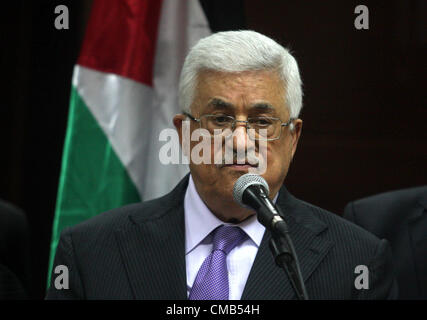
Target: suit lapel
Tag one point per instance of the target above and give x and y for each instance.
(153, 250)
(268, 281)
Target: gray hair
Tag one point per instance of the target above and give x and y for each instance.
(237, 51)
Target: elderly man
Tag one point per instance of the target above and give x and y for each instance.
(197, 242)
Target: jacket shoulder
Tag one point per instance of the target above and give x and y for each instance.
(134, 213)
(118, 218)
(342, 232)
(385, 211)
(390, 199)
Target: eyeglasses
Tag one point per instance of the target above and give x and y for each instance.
(264, 128)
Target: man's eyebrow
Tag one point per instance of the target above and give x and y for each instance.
(259, 107)
(218, 103)
(263, 107)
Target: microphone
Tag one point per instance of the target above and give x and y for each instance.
(251, 191)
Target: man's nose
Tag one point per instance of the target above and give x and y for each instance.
(240, 136)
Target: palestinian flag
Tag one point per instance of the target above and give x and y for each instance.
(124, 92)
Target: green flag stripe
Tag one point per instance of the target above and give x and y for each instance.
(92, 179)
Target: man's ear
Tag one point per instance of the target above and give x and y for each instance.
(182, 125)
(295, 134)
(177, 122)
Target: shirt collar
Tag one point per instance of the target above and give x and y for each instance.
(200, 221)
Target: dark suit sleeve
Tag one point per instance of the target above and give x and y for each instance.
(65, 256)
(382, 281)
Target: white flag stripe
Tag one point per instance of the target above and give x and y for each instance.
(120, 106)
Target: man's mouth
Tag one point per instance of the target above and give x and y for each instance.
(239, 166)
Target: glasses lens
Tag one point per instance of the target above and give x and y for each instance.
(260, 128)
(264, 128)
(216, 124)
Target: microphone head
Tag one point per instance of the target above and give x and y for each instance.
(248, 179)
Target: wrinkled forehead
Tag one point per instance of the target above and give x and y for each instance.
(255, 91)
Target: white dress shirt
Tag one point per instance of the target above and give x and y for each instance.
(199, 223)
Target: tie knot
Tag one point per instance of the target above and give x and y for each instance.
(225, 238)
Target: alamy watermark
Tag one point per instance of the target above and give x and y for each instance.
(362, 280)
(215, 149)
(361, 22)
(62, 20)
(62, 280)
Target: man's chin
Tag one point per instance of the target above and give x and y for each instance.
(227, 179)
(241, 219)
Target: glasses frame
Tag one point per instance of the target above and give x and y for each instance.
(246, 122)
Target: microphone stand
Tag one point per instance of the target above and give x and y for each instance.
(281, 244)
(285, 257)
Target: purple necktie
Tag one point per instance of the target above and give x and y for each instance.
(211, 282)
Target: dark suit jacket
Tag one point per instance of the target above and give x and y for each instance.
(138, 252)
(14, 253)
(401, 218)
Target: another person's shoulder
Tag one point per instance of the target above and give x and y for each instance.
(10, 214)
(13, 224)
(386, 210)
(343, 232)
(401, 197)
